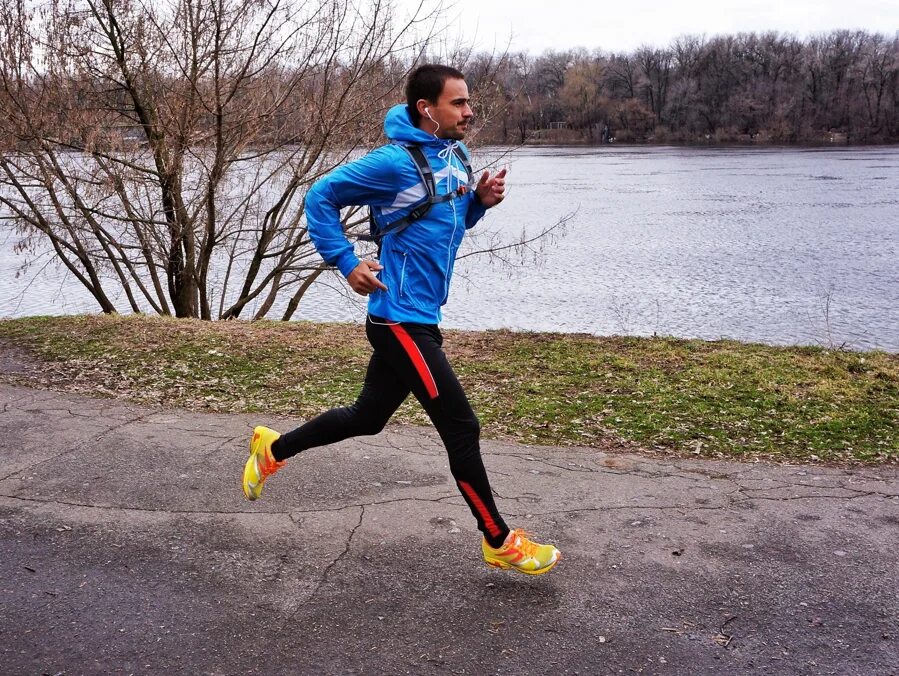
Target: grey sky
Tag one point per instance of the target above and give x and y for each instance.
(536, 25)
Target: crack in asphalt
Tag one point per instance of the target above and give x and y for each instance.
(528, 497)
(324, 578)
(151, 510)
(615, 508)
(839, 486)
(581, 469)
(122, 508)
(32, 396)
(673, 473)
(369, 504)
(345, 551)
(790, 498)
(97, 439)
(209, 437)
(738, 480)
(740, 495)
(683, 509)
(231, 441)
(391, 444)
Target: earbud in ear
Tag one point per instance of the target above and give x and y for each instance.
(428, 113)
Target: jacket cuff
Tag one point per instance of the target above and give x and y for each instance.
(476, 210)
(347, 263)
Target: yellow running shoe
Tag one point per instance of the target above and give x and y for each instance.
(262, 463)
(521, 554)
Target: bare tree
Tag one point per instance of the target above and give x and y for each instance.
(582, 95)
(655, 65)
(879, 72)
(163, 148)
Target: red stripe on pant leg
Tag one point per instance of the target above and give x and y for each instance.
(490, 524)
(424, 372)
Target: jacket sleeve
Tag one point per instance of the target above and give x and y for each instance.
(372, 179)
(476, 210)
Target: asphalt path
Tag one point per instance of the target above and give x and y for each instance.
(128, 547)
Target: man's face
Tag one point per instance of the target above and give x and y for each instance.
(451, 111)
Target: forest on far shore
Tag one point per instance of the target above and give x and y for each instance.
(838, 87)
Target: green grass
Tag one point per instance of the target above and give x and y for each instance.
(712, 399)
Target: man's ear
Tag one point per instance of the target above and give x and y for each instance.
(422, 106)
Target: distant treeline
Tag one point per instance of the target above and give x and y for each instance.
(838, 87)
(765, 88)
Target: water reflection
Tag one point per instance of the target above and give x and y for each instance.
(770, 245)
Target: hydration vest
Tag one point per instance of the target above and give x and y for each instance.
(426, 174)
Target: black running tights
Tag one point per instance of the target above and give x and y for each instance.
(409, 358)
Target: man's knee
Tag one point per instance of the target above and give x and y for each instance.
(472, 428)
(365, 419)
(465, 437)
(370, 427)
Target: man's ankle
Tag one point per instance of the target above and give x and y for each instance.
(499, 541)
(275, 447)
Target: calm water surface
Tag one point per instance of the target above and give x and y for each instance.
(778, 246)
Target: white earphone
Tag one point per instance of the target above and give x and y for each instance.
(428, 113)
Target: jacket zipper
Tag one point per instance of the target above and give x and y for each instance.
(403, 275)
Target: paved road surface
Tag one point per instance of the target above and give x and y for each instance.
(127, 547)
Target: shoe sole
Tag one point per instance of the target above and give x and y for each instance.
(245, 483)
(493, 563)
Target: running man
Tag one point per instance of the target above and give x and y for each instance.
(405, 293)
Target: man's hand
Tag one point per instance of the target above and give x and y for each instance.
(362, 279)
(491, 190)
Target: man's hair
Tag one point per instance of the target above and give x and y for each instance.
(426, 82)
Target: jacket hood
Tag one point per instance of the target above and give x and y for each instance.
(398, 127)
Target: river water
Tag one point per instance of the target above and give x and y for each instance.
(781, 246)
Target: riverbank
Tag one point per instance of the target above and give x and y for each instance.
(721, 399)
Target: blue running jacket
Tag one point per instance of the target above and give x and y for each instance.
(418, 261)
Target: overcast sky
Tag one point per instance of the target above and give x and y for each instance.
(537, 25)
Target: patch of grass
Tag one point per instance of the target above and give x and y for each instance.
(713, 399)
